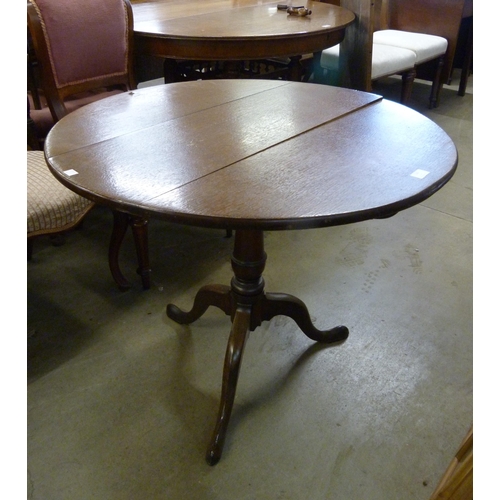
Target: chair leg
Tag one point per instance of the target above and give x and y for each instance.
(140, 232)
(406, 85)
(436, 84)
(466, 64)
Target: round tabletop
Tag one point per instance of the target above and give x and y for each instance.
(251, 154)
(228, 30)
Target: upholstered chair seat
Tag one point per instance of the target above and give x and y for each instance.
(386, 61)
(52, 208)
(426, 47)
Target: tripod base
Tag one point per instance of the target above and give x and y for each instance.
(248, 305)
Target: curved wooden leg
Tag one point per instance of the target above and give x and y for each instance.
(119, 229)
(274, 304)
(248, 306)
(232, 363)
(209, 295)
(140, 232)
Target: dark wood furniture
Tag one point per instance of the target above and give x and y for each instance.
(251, 155)
(463, 53)
(432, 17)
(222, 30)
(79, 63)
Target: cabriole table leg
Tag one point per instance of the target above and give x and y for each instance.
(120, 226)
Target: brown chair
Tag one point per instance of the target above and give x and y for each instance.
(84, 52)
(52, 208)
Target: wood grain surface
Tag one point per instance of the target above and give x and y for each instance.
(251, 154)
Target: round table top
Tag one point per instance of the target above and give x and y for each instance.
(251, 154)
(225, 29)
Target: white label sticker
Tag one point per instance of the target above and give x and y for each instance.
(71, 172)
(420, 174)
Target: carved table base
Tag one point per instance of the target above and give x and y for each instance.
(248, 305)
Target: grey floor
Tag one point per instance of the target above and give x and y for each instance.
(121, 400)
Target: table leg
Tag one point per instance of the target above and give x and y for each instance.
(466, 62)
(234, 354)
(139, 227)
(275, 304)
(248, 305)
(209, 295)
(120, 224)
(295, 68)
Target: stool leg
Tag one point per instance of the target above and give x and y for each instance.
(466, 64)
(436, 84)
(407, 83)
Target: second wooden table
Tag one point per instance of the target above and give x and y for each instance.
(225, 30)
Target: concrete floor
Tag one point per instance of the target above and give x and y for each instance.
(122, 401)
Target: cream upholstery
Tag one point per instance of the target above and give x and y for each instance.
(386, 60)
(426, 47)
(52, 207)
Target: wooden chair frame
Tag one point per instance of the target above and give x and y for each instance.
(56, 95)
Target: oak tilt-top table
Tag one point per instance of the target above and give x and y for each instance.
(251, 156)
(229, 30)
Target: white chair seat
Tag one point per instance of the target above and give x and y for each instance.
(386, 60)
(426, 47)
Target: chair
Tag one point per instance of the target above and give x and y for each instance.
(84, 51)
(52, 208)
(405, 23)
(426, 48)
(386, 61)
(363, 62)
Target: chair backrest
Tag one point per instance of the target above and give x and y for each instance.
(81, 46)
(380, 15)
